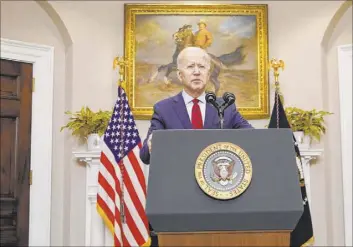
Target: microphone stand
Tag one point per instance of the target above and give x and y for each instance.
(211, 99)
(221, 120)
(221, 115)
(220, 110)
(229, 99)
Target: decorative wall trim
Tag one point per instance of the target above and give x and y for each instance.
(345, 95)
(308, 155)
(42, 58)
(98, 235)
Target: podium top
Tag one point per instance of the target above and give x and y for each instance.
(176, 203)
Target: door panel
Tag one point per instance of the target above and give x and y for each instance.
(15, 140)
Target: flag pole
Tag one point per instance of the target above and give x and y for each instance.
(302, 235)
(276, 65)
(124, 139)
(121, 64)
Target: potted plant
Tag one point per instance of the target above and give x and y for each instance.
(88, 125)
(306, 125)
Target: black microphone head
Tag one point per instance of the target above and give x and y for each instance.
(229, 98)
(210, 97)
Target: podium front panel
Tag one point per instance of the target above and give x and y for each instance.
(175, 202)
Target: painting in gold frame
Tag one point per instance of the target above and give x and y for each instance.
(234, 35)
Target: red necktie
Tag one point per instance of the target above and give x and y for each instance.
(196, 117)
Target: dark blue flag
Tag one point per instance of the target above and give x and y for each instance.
(302, 235)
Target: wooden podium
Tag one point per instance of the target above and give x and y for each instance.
(183, 215)
(224, 238)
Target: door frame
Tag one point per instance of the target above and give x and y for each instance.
(42, 58)
(345, 96)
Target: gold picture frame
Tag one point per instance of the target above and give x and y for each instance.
(239, 33)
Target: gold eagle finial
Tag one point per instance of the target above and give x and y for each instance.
(121, 63)
(276, 65)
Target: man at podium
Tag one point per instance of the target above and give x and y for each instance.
(188, 109)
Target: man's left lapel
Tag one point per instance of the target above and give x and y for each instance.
(211, 114)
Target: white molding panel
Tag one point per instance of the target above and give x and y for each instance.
(345, 91)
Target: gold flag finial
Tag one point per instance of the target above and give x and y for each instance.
(121, 63)
(276, 65)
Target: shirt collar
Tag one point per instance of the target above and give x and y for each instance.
(188, 98)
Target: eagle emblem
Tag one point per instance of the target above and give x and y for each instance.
(223, 170)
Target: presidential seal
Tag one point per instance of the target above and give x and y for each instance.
(223, 170)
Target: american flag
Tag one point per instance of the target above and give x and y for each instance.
(121, 196)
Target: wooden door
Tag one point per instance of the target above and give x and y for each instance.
(15, 141)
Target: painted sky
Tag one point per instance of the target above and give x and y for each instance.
(154, 34)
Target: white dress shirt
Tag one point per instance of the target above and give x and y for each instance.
(189, 104)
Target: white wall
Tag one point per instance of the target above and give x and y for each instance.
(83, 76)
(341, 35)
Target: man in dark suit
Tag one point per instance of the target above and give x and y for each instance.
(188, 109)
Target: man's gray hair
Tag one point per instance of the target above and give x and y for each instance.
(193, 49)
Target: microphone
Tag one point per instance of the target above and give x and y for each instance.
(229, 98)
(211, 98)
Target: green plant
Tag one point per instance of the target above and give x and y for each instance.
(85, 122)
(310, 122)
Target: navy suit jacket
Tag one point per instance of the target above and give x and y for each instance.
(171, 113)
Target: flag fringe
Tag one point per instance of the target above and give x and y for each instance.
(105, 219)
(148, 243)
(310, 242)
(111, 228)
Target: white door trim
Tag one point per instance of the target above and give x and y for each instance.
(42, 58)
(345, 95)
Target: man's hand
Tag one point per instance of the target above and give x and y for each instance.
(149, 143)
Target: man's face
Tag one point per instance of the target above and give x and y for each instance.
(202, 26)
(194, 72)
